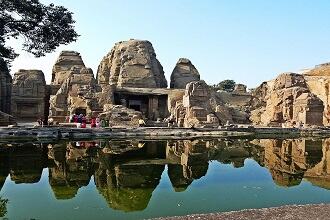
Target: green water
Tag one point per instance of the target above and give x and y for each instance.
(147, 179)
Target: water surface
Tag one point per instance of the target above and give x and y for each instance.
(115, 179)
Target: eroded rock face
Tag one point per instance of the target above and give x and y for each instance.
(29, 94)
(288, 101)
(183, 73)
(119, 115)
(240, 89)
(5, 87)
(318, 82)
(195, 107)
(79, 92)
(77, 95)
(66, 63)
(132, 63)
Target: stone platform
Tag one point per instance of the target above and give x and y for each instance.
(59, 133)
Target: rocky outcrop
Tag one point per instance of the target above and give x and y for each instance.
(67, 62)
(5, 87)
(29, 94)
(318, 82)
(240, 89)
(79, 92)
(6, 119)
(132, 63)
(195, 108)
(183, 73)
(287, 101)
(119, 115)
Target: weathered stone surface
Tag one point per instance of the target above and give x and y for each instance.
(78, 93)
(240, 88)
(6, 119)
(132, 63)
(196, 103)
(5, 87)
(318, 82)
(29, 94)
(183, 73)
(66, 63)
(119, 115)
(287, 100)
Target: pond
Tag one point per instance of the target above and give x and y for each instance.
(139, 179)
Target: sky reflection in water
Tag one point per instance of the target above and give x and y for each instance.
(143, 179)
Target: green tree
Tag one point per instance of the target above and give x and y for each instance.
(42, 27)
(3, 207)
(226, 85)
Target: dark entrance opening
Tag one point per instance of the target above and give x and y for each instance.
(137, 102)
(79, 111)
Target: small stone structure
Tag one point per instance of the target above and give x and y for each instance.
(240, 89)
(183, 73)
(29, 95)
(308, 109)
(288, 101)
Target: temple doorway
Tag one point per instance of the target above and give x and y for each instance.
(79, 111)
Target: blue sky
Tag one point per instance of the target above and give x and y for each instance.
(250, 41)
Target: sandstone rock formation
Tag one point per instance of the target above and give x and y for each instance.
(67, 62)
(183, 73)
(318, 82)
(29, 94)
(194, 109)
(131, 63)
(5, 87)
(240, 89)
(78, 92)
(119, 115)
(288, 101)
(6, 119)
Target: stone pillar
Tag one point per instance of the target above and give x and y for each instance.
(153, 112)
(5, 87)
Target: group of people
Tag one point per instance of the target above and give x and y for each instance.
(82, 121)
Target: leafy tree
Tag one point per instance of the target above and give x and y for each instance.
(3, 207)
(226, 85)
(42, 27)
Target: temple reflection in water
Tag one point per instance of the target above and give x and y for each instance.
(127, 172)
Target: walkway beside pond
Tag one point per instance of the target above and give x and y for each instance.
(292, 212)
(57, 132)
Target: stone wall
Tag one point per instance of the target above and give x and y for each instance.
(28, 94)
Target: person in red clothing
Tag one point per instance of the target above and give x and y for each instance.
(84, 119)
(83, 125)
(75, 118)
(93, 123)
